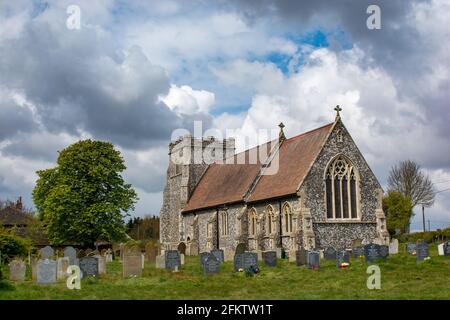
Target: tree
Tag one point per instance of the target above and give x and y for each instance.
(84, 198)
(398, 209)
(408, 179)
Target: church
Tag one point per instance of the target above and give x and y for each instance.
(311, 191)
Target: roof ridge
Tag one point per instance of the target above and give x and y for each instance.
(311, 131)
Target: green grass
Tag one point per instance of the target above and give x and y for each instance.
(401, 278)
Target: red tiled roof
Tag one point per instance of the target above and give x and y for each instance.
(224, 184)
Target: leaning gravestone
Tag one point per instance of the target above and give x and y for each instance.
(422, 251)
(203, 257)
(47, 252)
(17, 270)
(89, 267)
(358, 252)
(173, 260)
(301, 257)
(71, 253)
(329, 253)
(393, 246)
(313, 260)
(61, 268)
(46, 271)
(218, 253)
(342, 256)
(269, 258)
(410, 248)
(211, 264)
(132, 264)
(245, 260)
(372, 252)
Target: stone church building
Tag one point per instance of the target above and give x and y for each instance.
(313, 190)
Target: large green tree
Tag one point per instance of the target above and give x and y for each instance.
(398, 209)
(84, 198)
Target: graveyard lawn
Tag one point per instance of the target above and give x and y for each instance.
(401, 278)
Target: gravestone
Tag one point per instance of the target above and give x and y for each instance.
(46, 271)
(447, 248)
(329, 253)
(88, 267)
(269, 258)
(410, 248)
(182, 248)
(173, 260)
(211, 264)
(372, 252)
(422, 251)
(109, 256)
(342, 256)
(71, 253)
(61, 267)
(151, 253)
(393, 246)
(203, 257)
(218, 253)
(301, 257)
(358, 252)
(34, 264)
(101, 264)
(313, 260)
(132, 264)
(47, 252)
(17, 269)
(240, 248)
(384, 252)
(245, 260)
(160, 262)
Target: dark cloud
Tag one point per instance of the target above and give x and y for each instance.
(14, 118)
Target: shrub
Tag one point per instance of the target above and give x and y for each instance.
(11, 246)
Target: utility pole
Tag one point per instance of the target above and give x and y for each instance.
(423, 217)
(429, 229)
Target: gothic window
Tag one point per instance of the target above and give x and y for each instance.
(269, 220)
(341, 185)
(224, 222)
(253, 222)
(287, 218)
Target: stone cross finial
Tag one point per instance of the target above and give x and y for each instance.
(281, 136)
(337, 109)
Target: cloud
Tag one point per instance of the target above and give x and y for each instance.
(185, 100)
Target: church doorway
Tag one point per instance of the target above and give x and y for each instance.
(182, 248)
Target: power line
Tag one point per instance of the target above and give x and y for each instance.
(441, 191)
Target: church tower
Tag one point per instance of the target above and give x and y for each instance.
(189, 158)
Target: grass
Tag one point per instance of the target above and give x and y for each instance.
(401, 278)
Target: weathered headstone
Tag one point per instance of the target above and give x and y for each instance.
(393, 246)
(329, 253)
(109, 256)
(203, 257)
(358, 252)
(447, 248)
(372, 252)
(422, 251)
(71, 253)
(173, 260)
(301, 257)
(384, 252)
(269, 258)
(160, 262)
(410, 248)
(313, 260)
(47, 252)
(151, 253)
(342, 256)
(132, 264)
(89, 266)
(211, 264)
(17, 270)
(101, 264)
(61, 267)
(218, 253)
(46, 271)
(245, 260)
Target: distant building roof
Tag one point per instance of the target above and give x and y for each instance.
(11, 216)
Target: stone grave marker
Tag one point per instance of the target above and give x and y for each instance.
(211, 264)
(89, 266)
(109, 256)
(47, 252)
(160, 262)
(269, 258)
(313, 260)
(173, 260)
(101, 264)
(219, 254)
(410, 248)
(245, 260)
(393, 246)
(151, 253)
(441, 249)
(422, 251)
(447, 248)
(17, 269)
(329, 253)
(46, 271)
(182, 248)
(132, 264)
(372, 252)
(342, 256)
(301, 257)
(384, 252)
(61, 268)
(71, 253)
(358, 252)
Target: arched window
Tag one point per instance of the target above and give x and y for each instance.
(224, 222)
(269, 220)
(341, 186)
(287, 218)
(253, 222)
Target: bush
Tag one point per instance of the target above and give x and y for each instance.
(429, 236)
(11, 246)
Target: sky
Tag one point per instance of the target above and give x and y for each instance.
(135, 71)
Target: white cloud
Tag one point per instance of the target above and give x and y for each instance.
(185, 100)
